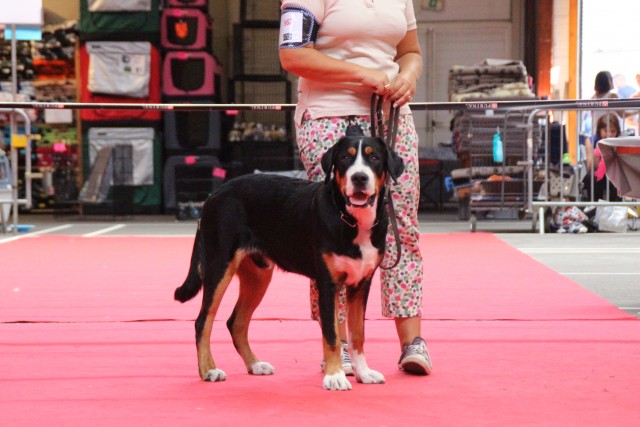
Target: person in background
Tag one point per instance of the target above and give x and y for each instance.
(608, 126)
(637, 94)
(343, 52)
(604, 89)
(634, 120)
(624, 89)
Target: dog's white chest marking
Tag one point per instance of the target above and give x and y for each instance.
(356, 269)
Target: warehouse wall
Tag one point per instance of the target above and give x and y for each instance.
(226, 12)
(460, 10)
(60, 10)
(561, 45)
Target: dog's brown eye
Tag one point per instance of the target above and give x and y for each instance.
(374, 158)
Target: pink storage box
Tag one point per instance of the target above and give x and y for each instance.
(183, 29)
(187, 3)
(188, 73)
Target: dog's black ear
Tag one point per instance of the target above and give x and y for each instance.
(395, 164)
(327, 162)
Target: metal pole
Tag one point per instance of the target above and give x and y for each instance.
(541, 220)
(529, 168)
(529, 105)
(15, 201)
(13, 128)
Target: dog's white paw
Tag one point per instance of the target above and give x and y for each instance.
(369, 376)
(337, 381)
(215, 375)
(262, 368)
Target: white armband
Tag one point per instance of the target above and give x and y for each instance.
(298, 27)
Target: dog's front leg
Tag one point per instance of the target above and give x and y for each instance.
(334, 376)
(356, 305)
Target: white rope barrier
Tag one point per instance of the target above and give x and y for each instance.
(479, 105)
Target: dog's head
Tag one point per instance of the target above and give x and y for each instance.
(360, 166)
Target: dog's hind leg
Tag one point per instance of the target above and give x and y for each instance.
(216, 280)
(254, 281)
(356, 308)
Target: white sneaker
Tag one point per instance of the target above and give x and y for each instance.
(415, 358)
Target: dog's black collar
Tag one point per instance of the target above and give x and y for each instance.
(348, 219)
(340, 201)
(351, 221)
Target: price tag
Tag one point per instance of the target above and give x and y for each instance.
(19, 141)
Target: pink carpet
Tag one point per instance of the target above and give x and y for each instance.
(513, 343)
(472, 276)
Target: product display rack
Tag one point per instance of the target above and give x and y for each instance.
(260, 139)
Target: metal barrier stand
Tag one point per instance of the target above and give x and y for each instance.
(478, 106)
(14, 200)
(537, 207)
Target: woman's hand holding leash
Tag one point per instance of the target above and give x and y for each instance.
(376, 80)
(400, 91)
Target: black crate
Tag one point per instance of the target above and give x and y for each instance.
(259, 10)
(264, 155)
(264, 91)
(256, 50)
(189, 178)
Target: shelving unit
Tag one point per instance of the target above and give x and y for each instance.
(258, 78)
(45, 72)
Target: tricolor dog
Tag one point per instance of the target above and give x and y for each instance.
(332, 232)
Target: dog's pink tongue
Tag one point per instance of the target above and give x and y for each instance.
(359, 198)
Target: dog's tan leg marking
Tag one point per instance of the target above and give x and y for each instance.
(334, 376)
(206, 364)
(254, 282)
(355, 318)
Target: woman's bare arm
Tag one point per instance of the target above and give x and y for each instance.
(313, 65)
(409, 58)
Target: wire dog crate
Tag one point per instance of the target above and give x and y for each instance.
(491, 185)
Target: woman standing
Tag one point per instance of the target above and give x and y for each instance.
(343, 52)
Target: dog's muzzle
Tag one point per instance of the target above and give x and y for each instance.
(360, 196)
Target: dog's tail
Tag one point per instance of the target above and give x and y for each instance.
(193, 282)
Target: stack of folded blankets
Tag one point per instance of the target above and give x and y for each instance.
(493, 78)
